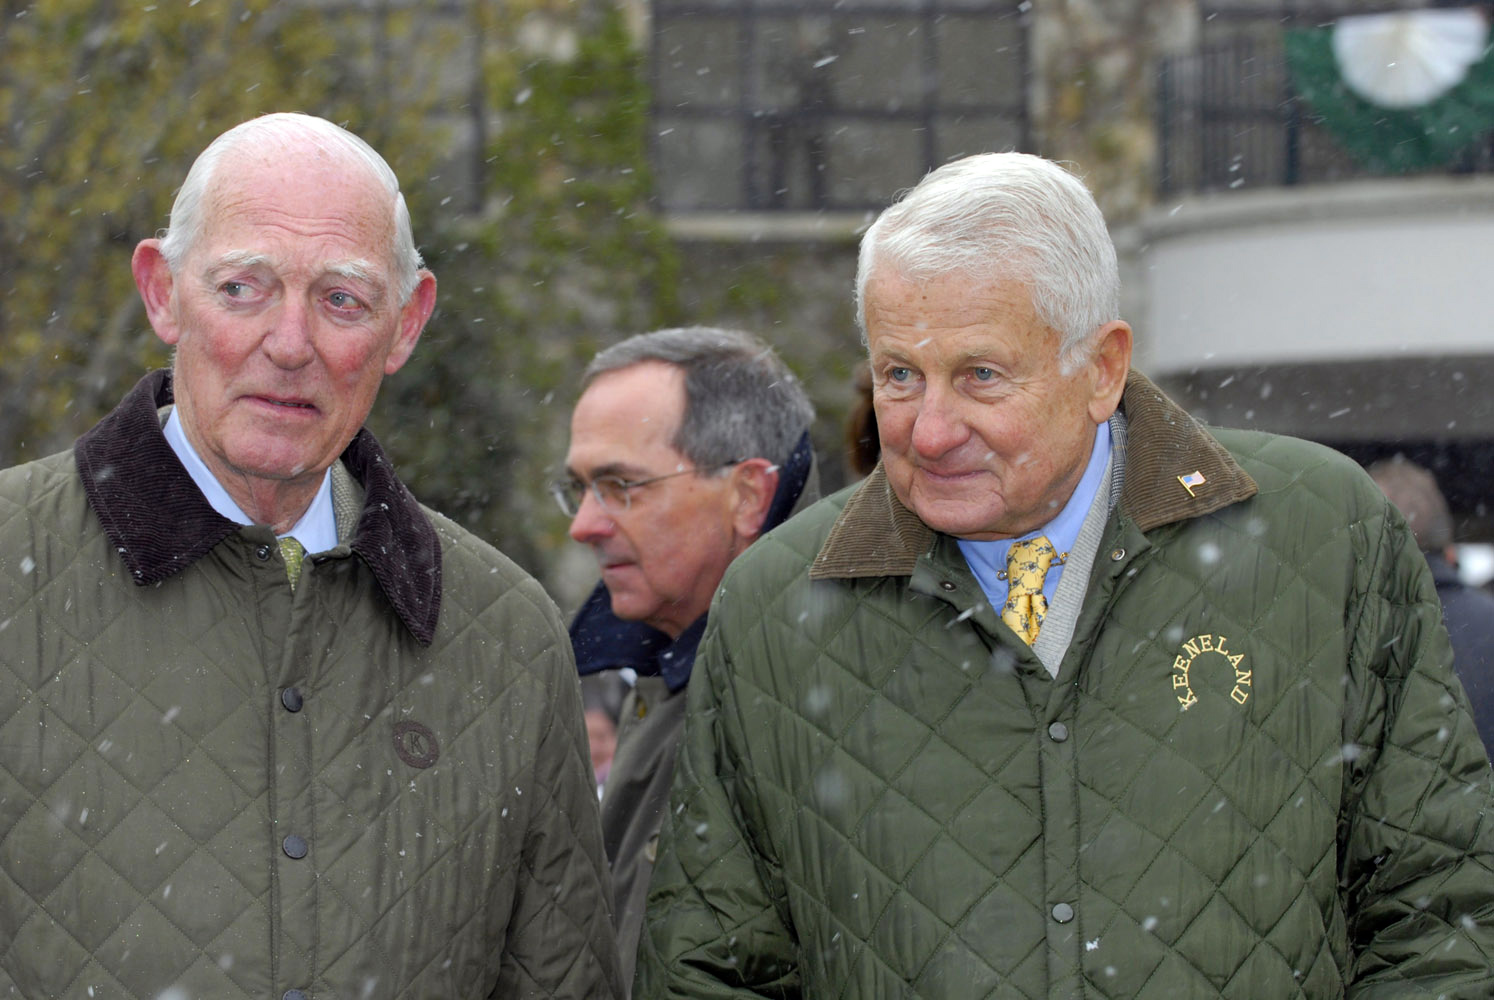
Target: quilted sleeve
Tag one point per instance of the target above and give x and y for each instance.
(1417, 828)
(716, 925)
(561, 943)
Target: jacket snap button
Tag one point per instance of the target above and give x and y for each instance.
(1063, 912)
(1116, 555)
(1058, 732)
(262, 553)
(293, 995)
(945, 584)
(294, 847)
(291, 699)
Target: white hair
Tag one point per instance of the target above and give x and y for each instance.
(281, 130)
(1004, 217)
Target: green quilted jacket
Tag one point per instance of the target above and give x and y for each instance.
(1253, 777)
(212, 786)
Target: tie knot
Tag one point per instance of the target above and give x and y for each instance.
(1027, 564)
(294, 553)
(1026, 568)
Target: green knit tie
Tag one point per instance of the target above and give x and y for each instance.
(293, 553)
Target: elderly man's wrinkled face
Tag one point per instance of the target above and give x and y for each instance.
(661, 557)
(983, 436)
(285, 315)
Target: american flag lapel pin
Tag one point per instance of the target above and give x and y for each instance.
(1192, 479)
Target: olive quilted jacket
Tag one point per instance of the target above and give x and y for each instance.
(212, 786)
(1253, 777)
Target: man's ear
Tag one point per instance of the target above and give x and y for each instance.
(753, 483)
(154, 280)
(1110, 361)
(412, 318)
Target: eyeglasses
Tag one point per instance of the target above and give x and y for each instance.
(615, 493)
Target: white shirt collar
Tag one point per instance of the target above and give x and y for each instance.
(317, 528)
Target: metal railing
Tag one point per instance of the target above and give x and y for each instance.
(1228, 116)
(809, 105)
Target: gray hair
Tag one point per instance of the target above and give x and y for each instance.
(280, 130)
(1004, 217)
(1414, 492)
(741, 400)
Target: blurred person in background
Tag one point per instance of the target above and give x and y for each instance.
(602, 694)
(686, 446)
(863, 444)
(270, 727)
(1468, 612)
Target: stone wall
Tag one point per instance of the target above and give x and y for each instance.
(1093, 90)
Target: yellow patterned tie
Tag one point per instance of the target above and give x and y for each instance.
(1026, 565)
(293, 553)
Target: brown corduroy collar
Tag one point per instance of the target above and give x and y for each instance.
(876, 535)
(160, 523)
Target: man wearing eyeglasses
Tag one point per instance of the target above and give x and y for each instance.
(686, 446)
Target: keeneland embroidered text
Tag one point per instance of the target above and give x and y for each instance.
(1192, 650)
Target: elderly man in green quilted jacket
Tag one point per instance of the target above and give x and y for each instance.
(268, 726)
(1070, 697)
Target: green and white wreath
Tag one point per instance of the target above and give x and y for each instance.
(1401, 92)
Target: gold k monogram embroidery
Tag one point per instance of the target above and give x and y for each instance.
(1197, 646)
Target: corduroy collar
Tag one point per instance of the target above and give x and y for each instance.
(876, 535)
(160, 523)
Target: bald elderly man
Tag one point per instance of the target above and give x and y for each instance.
(270, 727)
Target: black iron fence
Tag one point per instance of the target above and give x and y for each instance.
(805, 105)
(1232, 114)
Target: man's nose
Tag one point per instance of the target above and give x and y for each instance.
(592, 522)
(288, 341)
(940, 426)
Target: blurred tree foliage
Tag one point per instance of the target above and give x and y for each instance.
(517, 129)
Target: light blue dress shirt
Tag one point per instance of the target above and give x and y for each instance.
(987, 560)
